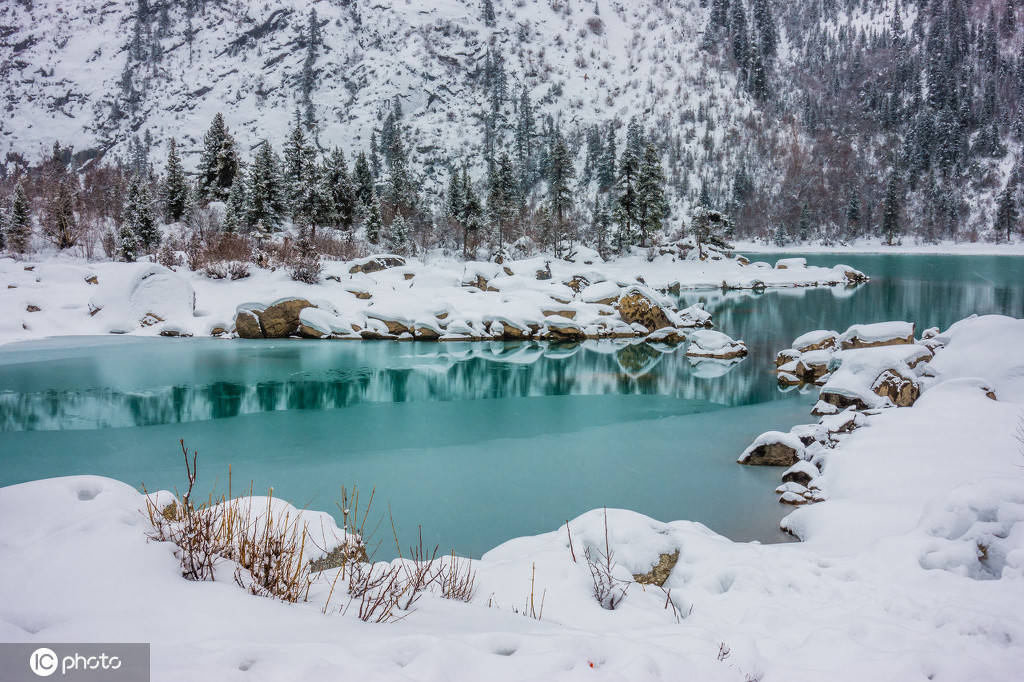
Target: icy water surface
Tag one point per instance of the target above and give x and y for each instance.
(477, 443)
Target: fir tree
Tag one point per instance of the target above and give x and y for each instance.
(60, 226)
(399, 188)
(298, 169)
(373, 222)
(489, 18)
(265, 201)
(767, 33)
(307, 266)
(502, 200)
(525, 131)
(342, 189)
(138, 218)
(606, 170)
(627, 209)
(218, 163)
(891, 224)
(708, 226)
(560, 194)
(363, 180)
(19, 221)
(398, 235)
(235, 220)
(653, 204)
(127, 243)
(1007, 212)
(175, 187)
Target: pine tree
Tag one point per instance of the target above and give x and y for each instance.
(19, 221)
(265, 201)
(138, 219)
(606, 170)
(525, 131)
(373, 222)
(298, 163)
(175, 186)
(708, 226)
(234, 213)
(1007, 212)
(471, 215)
(127, 243)
(738, 29)
(316, 207)
(363, 179)
(489, 18)
(627, 209)
(342, 189)
(650, 187)
(891, 225)
(502, 200)
(307, 266)
(399, 188)
(560, 194)
(767, 33)
(218, 163)
(60, 226)
(398, 235)
(601, 225)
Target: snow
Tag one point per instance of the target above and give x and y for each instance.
(877, 332)
(770, 437)
(854, 371)
(813, 338)
(707, 342)
(127, 292)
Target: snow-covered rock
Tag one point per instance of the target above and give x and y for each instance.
(773, 448)
(714, 344)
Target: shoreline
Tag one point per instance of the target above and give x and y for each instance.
(876, 247)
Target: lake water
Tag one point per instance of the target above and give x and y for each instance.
(477, 443)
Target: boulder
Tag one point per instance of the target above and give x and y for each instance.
(901, 390)
(878, 334)
(707, 343)
(790, 263)
(545, 273)
(563, 328)
(247, 324)
(784, 357)
(821, 339)
(638, 306)
(801, 473)
(281, 319)
(577, 283)
(773, 448)
(669, 335)
(377, 263)
(813, 365)
(604, 293)
(561, 312)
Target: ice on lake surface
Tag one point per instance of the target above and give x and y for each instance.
(477, 443)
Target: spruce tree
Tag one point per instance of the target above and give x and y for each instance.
(891, 224)
(19, 221)
(127, 243)
(399, 188)
(525, 131)
(502, 200)
(138, 216)
(265, 201)
(489, 18)
(627, 209)
(708, 226)
(398, 235)
(373, 222)
(234, 213)
(1007, 212)
(218, 163)
(60, 226)
(767, 33)
(175, 187)
(653, 204)
(472, 212)
(363, 180)
(560, 194)
(342, 190)
(297, 171)
(606, 170)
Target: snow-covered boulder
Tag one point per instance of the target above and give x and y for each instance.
(376, 263)
(773, 448)
(820, 339)
(693, 316)
(605, 293)
(786, 357)
(877, 334)
(801, 472)
(874, 377)
(790, 263)
(708, 343)
(144, 294)
(639, 305)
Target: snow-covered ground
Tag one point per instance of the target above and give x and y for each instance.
(913, 569)
(61, 295)
(876, 245)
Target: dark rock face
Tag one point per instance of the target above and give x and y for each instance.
(773, 454)
(661, 570)
(278, 321)
(247, 325)
(901, 390)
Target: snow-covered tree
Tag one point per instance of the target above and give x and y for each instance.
(61, 225)
(342, 189)
(138, 218)
(653, 204)
(174, 191)
(708, 226)
(19, 221)
(265, 200)
(218, 163)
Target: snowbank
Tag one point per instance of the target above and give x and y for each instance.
(63, 295)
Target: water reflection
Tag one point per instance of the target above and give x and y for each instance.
(342, 377)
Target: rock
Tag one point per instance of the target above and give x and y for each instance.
(149, 319)
(578, 283)
(821, 339)
(878, 334)
(790, 263)
(567, 313)
(247, 324)
(813, 365)
(822, 408)
(636, 306)
(32, 308)
(784, 357)
(707, 343)
(669, 335)
(902, 391)
(359, 292)
(742, 260)
(787, 379)
(851, 275)
(408, 275)
(281, 319)
(545, 273)
(773, 448)
(395, 325)
(793, 499)
(218, 331)
(507, 270)
(377, 263)
(92, 279)
(838, 400)
(694, 316)
(791, 487)
(801, 473)
(603, 293)
(174, 333)
(660, 572)
(563, 328)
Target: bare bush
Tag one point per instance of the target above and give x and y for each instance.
(608, 590)
(458, 579)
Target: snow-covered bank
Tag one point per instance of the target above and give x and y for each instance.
(913, 569)
(878, 246)
(386, 297)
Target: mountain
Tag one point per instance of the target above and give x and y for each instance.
(811, 119)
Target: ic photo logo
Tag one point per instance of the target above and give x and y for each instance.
(45, 662)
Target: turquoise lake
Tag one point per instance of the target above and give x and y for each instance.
(476, 443)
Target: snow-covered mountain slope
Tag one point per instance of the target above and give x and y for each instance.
(71, 69)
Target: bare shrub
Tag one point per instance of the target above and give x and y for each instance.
(458, 579)
(608, 590)
(270, 554)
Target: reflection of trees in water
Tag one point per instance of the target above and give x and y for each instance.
(444, 372)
